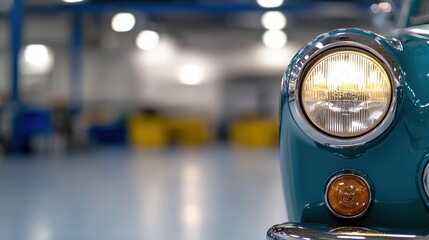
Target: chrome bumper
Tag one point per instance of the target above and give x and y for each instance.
(290, 231)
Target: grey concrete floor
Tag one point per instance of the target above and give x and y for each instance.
(215, 193)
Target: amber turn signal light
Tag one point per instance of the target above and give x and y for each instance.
(348, 195)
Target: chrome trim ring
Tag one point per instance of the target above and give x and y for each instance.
(332, 179)
(425, 180)
(343, 40)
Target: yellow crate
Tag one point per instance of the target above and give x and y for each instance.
(255, 132)
(188, 131)
(145, 131)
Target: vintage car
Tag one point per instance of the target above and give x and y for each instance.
(354, 134)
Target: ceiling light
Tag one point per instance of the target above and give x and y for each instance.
(275, 39)
(73, 1)
(37, 59)
(385, 7)
(273, 20)
(374, 8)
(36, 54)
(191, 74)
(270, 3)
(147, 40)
(123, 22)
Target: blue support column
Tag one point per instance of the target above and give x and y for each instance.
(15, 28)
(76, 69)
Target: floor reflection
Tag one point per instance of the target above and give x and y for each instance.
(190, 194)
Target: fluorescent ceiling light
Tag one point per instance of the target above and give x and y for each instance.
(275, 39)
(123, 22)
(270, 3)
(73, 1)
(37, 59)
(191, 74)
(273, 20)
(385, 7)
(147, 40)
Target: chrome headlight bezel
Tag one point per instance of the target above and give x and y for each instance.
(310, 54)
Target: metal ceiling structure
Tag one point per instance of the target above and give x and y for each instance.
(223, 7)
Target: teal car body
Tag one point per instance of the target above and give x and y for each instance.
(393, 161)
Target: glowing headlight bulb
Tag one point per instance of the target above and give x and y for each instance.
(346, 93)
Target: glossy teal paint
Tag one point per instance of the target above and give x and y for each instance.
(392, 163)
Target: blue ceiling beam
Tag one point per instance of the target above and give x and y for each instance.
(174, 8)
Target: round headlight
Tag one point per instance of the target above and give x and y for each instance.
(346, 93)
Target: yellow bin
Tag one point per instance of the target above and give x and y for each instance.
(147, 131)
(255, 132)
(189, 131)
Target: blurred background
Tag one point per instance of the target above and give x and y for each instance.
(132, 119)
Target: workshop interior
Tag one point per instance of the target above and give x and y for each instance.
(151, 119)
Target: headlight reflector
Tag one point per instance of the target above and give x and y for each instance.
(346, 93)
